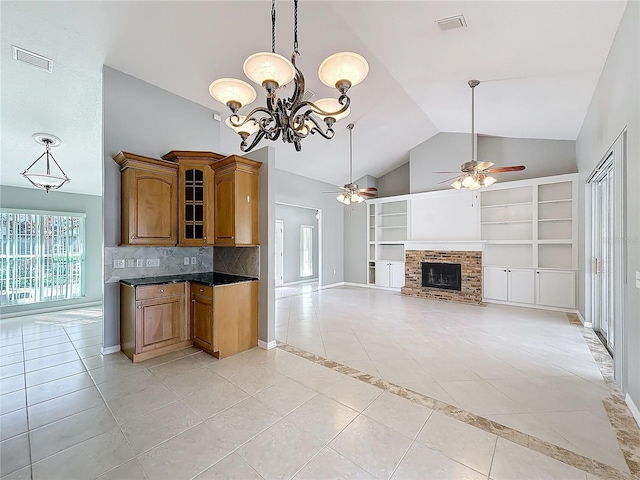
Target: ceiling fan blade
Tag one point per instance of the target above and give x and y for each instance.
(367, 194)
(445, 172)
(484, 165)
(512, 168)
(368, 189)
(448, 180)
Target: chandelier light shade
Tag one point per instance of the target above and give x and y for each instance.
(293, 118)
(46, 181)
(232, 93)
(343, 70)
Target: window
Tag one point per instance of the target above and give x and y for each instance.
(306, 250)
(41, 256)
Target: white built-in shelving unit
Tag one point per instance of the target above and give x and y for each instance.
(531, 252)
(388, 227)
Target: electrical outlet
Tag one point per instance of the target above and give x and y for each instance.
(153, 262)
(131, 262)
(186, 260)
(139, 262)
(194, 260)
(118, 263)
(334, 272)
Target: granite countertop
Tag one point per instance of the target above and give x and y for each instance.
(208, 278)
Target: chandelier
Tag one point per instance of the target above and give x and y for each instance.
(294, 118)
(46, 181)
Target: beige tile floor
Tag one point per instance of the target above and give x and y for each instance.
(527, 369)
(70, 413)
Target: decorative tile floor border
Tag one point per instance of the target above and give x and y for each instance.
(553, 451)
(621, 419)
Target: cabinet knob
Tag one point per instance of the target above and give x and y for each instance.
(232, 237)
(139, 307)
(538, 273)
(193, 301)
(205, 237)
(505, 270)
(133, 237)
(248, 199)
(202, 290)
(162, 290)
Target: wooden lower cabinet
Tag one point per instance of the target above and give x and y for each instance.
(235, 318)
(153, 320)
(202, 317)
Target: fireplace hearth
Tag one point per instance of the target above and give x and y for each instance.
(442, 275)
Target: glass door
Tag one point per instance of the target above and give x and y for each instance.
(603, 250)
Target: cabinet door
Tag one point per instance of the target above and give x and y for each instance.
(383, 275)
(202, 321)
(396, 277)
(196, 205)
(522, 285)
(494, 283)
(159, 322)
(225, 208)
(152, 209)
(555, 288)
(246, 212)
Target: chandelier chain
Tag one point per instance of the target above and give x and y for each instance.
(295, 27)
(273, 26)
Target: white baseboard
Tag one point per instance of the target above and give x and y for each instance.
(109, 350)
(530, 305)
(351, 284)
(314, 279)
(50, 309)
(331, 285)
(633, 408)
(584, 322)
(267, 346)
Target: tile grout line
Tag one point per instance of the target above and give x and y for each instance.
(552, 451)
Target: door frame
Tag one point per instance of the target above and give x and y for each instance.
(279, 258)
(616, 154)
(319, 217)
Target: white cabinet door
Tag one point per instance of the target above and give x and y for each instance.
(396, 274)
(522, 285)
(382, 274)
(494, 283)
(555, 288)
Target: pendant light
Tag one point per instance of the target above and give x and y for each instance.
(46, 181)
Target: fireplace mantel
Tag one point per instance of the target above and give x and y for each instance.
(446, 245)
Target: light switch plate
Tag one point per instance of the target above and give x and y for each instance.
(194, 260)
(186, 260)
(139, 262)
(118, 263)
(153, 262)
(131, 262)
(637, 279)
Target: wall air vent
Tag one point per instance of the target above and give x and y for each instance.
(31, 58)
(452, 22)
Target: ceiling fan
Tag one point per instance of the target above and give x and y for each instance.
(350, 192)
(477, 174)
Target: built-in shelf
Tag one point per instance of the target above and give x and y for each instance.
(507, 221)
(398, 226)
(509, 242)
(404, 214)
(556, 242)
(556, 201)
(506, 205)
(554, 219)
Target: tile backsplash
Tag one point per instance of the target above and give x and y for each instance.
(171, 261)
(237, 260)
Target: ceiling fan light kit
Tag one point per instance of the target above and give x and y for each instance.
(475, 174)
(351, 192)
(294, 118)
(46, 181)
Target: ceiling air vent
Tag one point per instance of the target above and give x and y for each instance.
(31, 58)
(452, 22)
(307, 95)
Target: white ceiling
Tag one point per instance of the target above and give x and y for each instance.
(539, 63)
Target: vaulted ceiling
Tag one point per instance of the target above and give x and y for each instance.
(539, 63)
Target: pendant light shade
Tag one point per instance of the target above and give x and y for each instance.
(265, 67)
(331, 105)
(232, 92)
(46, 180)
(343, 70)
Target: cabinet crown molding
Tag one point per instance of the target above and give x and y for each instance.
(127, 160)
(177, 155)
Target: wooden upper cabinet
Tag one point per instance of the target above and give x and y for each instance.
(236, 201)
(149, 200)
(195, 196)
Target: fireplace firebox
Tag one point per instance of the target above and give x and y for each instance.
(442, 275)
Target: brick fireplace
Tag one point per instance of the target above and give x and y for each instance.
(470, 272)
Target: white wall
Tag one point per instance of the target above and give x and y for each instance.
(615, 106)
(448, 215)
(396, 182)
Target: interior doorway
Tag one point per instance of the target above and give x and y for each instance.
(279, 253)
